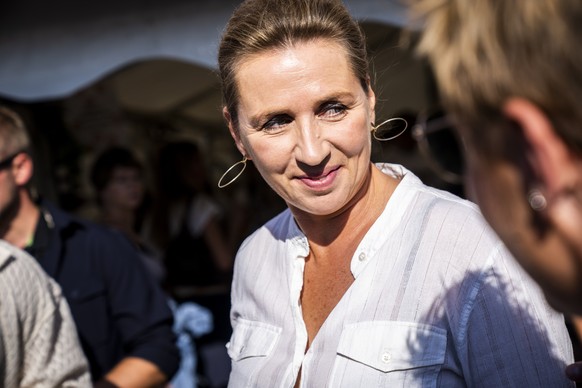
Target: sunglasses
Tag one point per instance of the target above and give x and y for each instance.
(6, 163)
(439, 143)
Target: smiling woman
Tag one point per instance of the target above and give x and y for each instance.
(373, 278)
(296, 105)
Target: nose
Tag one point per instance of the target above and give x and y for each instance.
(312, 148)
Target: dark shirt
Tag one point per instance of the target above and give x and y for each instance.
(118, 309)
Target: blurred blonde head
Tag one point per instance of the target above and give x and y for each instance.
(484, 52)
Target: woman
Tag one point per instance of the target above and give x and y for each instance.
(370, 277)
(117, 176)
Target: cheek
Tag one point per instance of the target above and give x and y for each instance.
(354, 139)
(112, 194)
(269, 154)
(107, 195)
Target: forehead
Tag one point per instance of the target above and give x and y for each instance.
(318, 66)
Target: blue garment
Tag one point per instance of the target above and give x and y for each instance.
(118, 309)
(190, 321)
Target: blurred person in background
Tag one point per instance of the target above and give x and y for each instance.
(122, 317)
(118, 178)
(187, 224)
(188, 228)
(510, 77)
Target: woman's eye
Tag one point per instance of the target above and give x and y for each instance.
(276, 122)
(334, 110)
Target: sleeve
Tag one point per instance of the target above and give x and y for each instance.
(514, 338)
(138, 305)
(52, 353)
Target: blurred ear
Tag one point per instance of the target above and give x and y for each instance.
(553, 165)
(22, 169)
(234, 133)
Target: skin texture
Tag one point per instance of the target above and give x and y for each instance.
(305, 121)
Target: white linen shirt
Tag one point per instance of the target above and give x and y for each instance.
(437, 301)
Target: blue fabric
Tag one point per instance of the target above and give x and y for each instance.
(190, 321)
(118, 309)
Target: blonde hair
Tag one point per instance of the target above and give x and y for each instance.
(485, 51)
(260, 25)
(13, 135)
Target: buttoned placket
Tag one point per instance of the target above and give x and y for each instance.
(300, 250)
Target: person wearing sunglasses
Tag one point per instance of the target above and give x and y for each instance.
(510, 78)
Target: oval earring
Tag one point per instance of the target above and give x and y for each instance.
(244, 165)
(380, 138)
(537, 201)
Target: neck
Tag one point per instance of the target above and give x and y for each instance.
(352, 223)
(18, 227)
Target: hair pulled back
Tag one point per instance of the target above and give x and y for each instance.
(259, 25)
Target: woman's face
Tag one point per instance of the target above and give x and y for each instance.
(125, 189)
(304, 120)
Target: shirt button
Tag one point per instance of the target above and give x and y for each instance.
(386, 358)
(362, 256)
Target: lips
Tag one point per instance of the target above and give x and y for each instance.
(321, 181)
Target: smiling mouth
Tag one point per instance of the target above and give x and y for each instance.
(320, 181)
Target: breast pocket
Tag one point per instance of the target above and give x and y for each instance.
(250, 344)
(389, 353)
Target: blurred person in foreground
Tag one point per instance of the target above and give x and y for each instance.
(370, 277)
(121, 315)
(39, 346)
(510, 77)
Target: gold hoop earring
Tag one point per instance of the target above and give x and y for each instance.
(537, 201)
(244, 165)
(379, 138)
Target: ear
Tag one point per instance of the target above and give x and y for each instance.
(550, 159)
(22, 169)
(234, 133)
